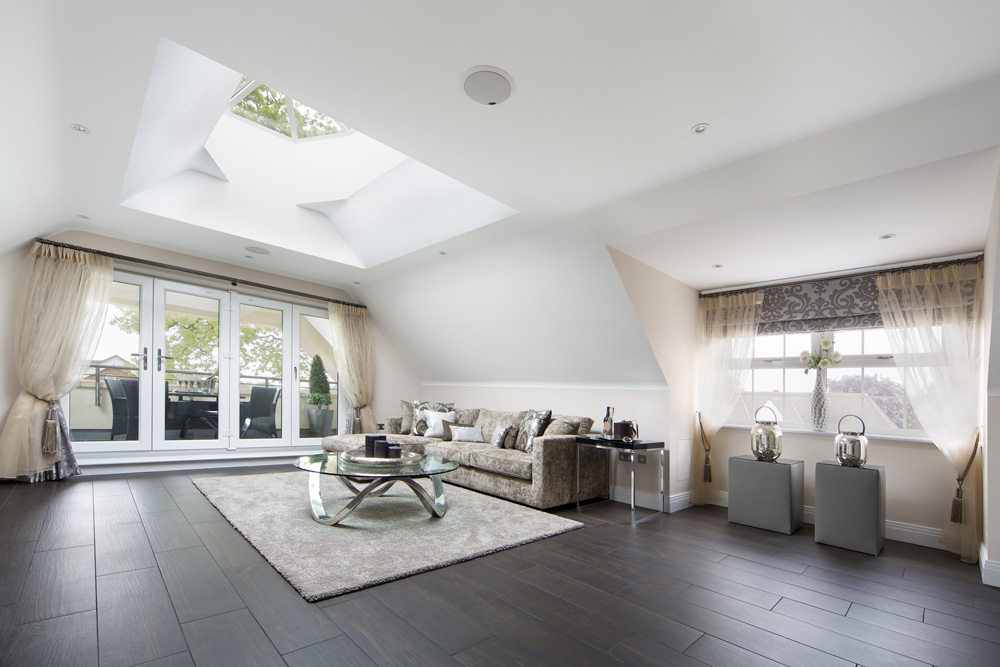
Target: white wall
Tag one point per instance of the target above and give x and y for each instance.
(991, 464)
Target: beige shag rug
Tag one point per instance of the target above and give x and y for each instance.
(384, 539)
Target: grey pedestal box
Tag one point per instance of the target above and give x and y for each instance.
(850, 507)
(766, 495)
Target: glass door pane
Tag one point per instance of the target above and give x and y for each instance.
(261, 363)
(317, 374)
(189, 362)
(105, 405)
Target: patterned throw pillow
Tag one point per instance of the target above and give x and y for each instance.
(532, 425)
(419, 424)
(406, 416)
(585, 425)
(467, 433)
(467, 416)
(500, 436)
(563, 426)
(434, 422)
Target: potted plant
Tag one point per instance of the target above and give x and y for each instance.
(320, 416)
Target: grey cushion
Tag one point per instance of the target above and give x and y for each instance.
(447, 429)
(467, 433)
(394, 425)
(467, 416)
(508, 462)
(500, 436)
(563, 426)
(532, 425)
(490, 419)
(406, 416)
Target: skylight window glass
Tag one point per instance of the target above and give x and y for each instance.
(266, 107)
(311, 123)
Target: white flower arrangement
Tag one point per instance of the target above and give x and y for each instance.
(827, 356)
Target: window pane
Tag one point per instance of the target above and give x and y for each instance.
(266, 107)
(768, 380)
(885, 400)
(768, 400)
(796, 344)
(260, 372)
(847, 342)
(192, 340)
(316, 420)
(876, 342)
(769, 347)
(94, 414)
(311, 123)
(845, 395)
(798, 382)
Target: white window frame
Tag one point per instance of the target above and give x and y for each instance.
(859, 361)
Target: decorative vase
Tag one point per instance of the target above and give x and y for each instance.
(320, 421)
(818, 407)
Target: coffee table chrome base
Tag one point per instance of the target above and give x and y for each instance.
(436, 506)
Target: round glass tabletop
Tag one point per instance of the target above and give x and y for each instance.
(331, 463)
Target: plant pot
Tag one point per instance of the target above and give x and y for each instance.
(320, 421)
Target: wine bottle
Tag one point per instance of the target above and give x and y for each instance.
(609, 423)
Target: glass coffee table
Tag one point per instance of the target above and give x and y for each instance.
(379, 475)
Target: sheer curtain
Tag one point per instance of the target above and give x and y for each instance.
(64, 300)
(729, 323)
(352, 349)
(934, 322)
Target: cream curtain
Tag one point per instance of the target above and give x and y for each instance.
(352, 348)
(728, 325)
(934, 321)
(64, 300)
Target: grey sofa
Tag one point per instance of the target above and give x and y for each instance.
(543, 477)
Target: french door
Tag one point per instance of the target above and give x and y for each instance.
(183, 367)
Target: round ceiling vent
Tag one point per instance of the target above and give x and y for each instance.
(487, 85)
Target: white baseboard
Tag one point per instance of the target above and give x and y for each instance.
(675, 503)
(894, 530)
(989, 569)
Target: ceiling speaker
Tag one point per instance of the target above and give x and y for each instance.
(487, 85)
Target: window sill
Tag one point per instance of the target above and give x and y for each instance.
(104, 463)
(833, 434)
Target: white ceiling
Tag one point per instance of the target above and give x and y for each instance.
(823, 115)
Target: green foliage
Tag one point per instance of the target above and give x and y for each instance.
(193, 341)
(319, 384)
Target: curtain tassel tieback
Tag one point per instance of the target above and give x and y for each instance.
(707, 475)
(957, 504)
(50, 433)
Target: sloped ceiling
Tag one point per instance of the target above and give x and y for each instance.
(593, 149)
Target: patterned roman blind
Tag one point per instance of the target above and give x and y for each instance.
(828, 304)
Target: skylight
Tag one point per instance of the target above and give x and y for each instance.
(270, 109)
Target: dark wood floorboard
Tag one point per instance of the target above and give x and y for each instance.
(142, 569)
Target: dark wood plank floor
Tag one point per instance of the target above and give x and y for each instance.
(141, 569)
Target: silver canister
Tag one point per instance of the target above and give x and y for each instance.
(765, 437)
(851, 446)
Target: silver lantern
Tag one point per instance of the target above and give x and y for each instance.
(765, 437)
(852, 447)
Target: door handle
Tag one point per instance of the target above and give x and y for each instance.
(159, 359)
(144, 354)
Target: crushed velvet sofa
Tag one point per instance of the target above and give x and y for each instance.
(544, 476)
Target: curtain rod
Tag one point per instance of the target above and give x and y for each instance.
(877, 270)
(203, 274)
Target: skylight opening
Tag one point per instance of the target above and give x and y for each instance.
(270, 109)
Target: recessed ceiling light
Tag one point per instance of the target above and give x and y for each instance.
(257, 250)
(248, 256)
(442, 252)
(701, 128)
(487, 85)
(357, 282)
(886, 237)
(82, 216)
(82, 129)
(717, 266)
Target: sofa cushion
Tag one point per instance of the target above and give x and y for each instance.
(563, 426)
(532, 425)
(435, 422)
(347, 442)
(490, 419)
(500, 436)
(585, 424)
(420, 408)
(406, 416)
(508, 462)
(467, 433)
(457, 451)
(394, 425)
(447, 429)
(468, 416)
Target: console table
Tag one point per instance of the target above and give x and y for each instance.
(765, 494)
(631, 448)
(850, 507)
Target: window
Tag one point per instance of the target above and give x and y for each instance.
(865, 383)
(271, 109)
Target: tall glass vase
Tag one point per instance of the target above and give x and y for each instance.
(818, 407)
